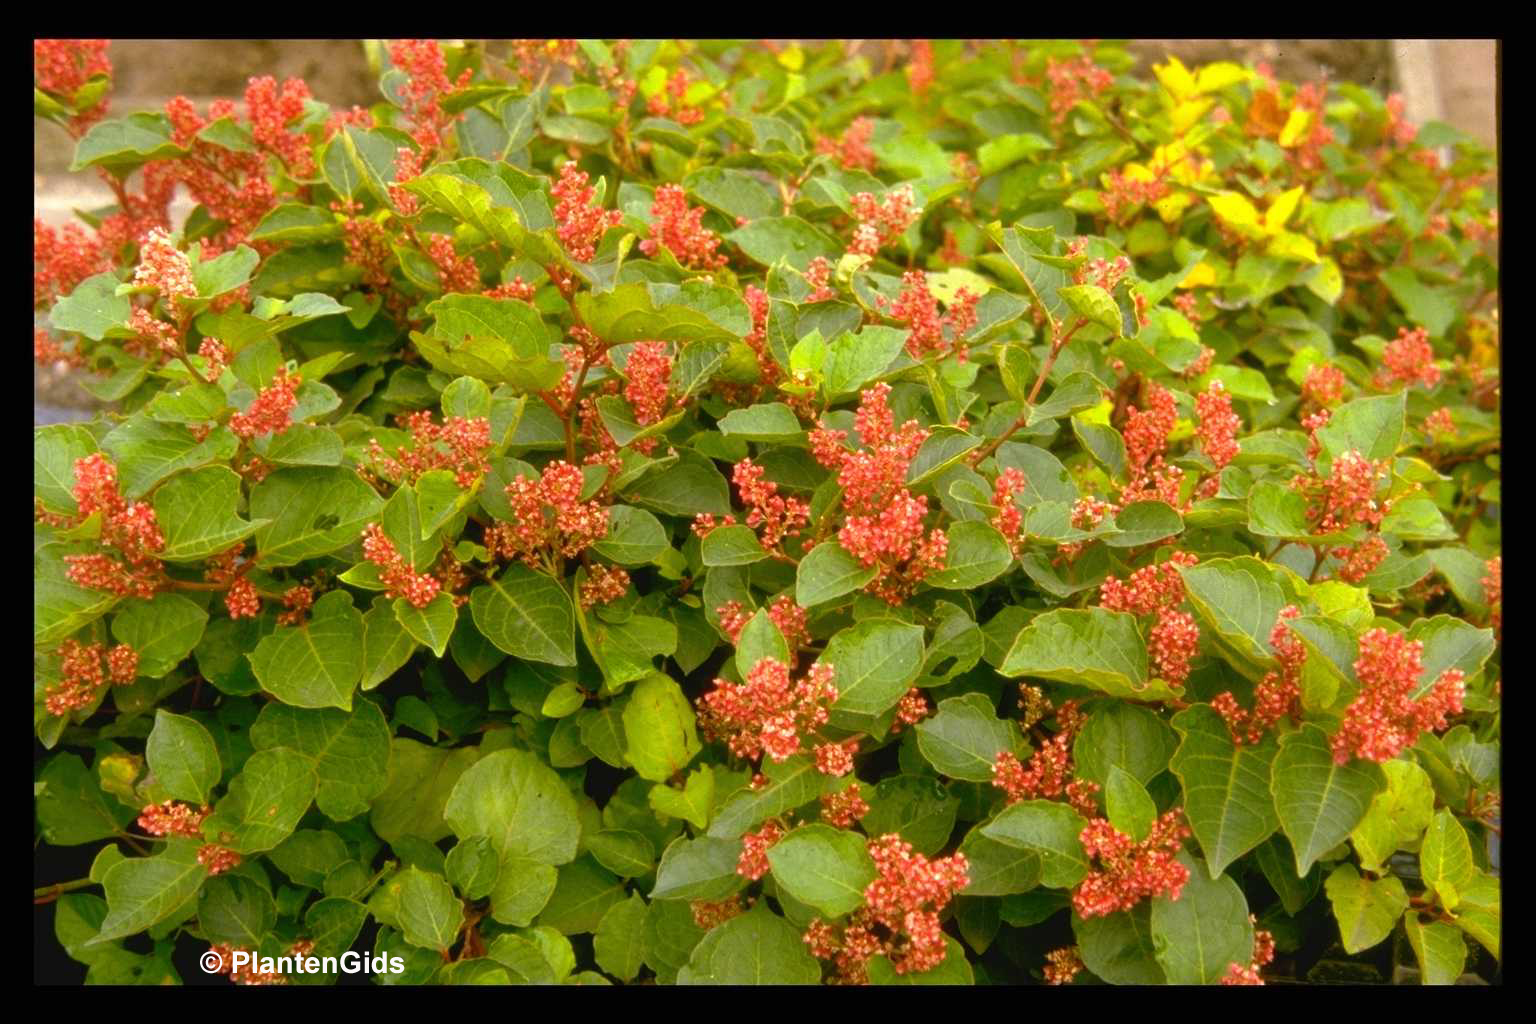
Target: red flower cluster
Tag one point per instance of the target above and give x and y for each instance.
(784, 613)
(679, 228)
(1217, 432)
(550, 519)
(1158, 590)
(216, 354)
(710, 914)
(1129, 871)
(217, 859)
(1062, 965)
(269, 413)
(129, 529)
(1347, 495)
(297, 600)
(1123, 195)
(672, 101)
(1263, 954)
(1408, 359)
(81, 674)
(461, 444)
(753, 862)
(843, 808)
(918, 310)
(604, 584)
(578, 222)
(1009, 519)
(881, 222)
(1385, 719)
(773, 516)
(173, 818)
(884, 525)
(1050, 768)
(852, 150)
(423, 61)
(648, 380)
(1493, 591)
(1072, 81)
(836, 759)
(920, 67)
(819, 276)
(900, 916)
(1323, 386)
(769, 712)
(1276, 695)
(271, 112)
(399, 579)
(911, 709)
(1146, 430)
(164, 267)
(455, 273)
(63, 66)
(61, 259)
(1440, 423)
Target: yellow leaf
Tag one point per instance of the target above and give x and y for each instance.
(1220, 75)
(1172, 206)
(1288, 245)
(1187, 114)
(1175, 78)
(945, 286)
(1281, 209)
(1297, 127)
(792, 58)
(1137, 172)
(1202, 276)
(1237, 213)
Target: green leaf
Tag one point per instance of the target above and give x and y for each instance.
(690, 487)
(635, 537)
(1118, 947)
(264, 803)
(183, 758)
(421, 778)
(1130, 809)
(1145, 522)
(965, 738)
(792, 783)
(1366, 910)
(432, 625)
(429, 913)
(771, 421)
(1319, 802)
(823, 867)
(1093, 304)
(876, 662)
(826, 573)
(122, 144)
(755, 948)
(143, 891)
(731, 545)
(918, 807)
(198, 514)
(71, 808)
(235, 910)
(1441, 951)
(1226, 787)
(1096, 648)
(1051, 830)
(692, 803)
(1397, 817)
(1371, 426)
(1204, 931)
(977, 555)
(386, 644)
(318, 664)
(528, 615)
(1430, 307)
(1238, 602)
(520, 803)
(522, 891)
(698, 869)
(768, 240)
(93, 309)
(225, 272)
(163, 630)
(659, 727)
(618, 942)
(295, 222)
(1445, 859)
(998, 869)
(1122, 735)
(148, 452)
(310, 511)
(853, 360)
(1449, 643)
(625, 853)
(349, 752)
(583, 893)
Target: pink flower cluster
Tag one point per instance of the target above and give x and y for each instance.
(1122, 195)
(63, 66)
(818, 274)
(710, 914)
(174, 818)
(1072, 81)
(836, 759)
(852, 149)
(784, 613)
(884, 524)
(578, 222)
(881, 222)
(770, 712)
(455, 273)
(1128, 871)
(679, 228)
(164, 267)
(423, 62)
(1493, 591)
(1263, 954)
(920, 67)
(1217, 432)
(1385, 719)
(1408, 359)
(648, 381)
(460, 444)
(604, 584)
(399, 579)
(1323, 386)
(671, 101)
(61, 259)
(911, 709)
(269, 413)
(217, 859)
(917, 309)
(843, 808)
(1277, 694)
(1158, 590)
(1049, 773)
(83, 670)
(1008, 520)
(773, 516)
(549, 518)
(753, 862)
(1347, 495)
(900, 916)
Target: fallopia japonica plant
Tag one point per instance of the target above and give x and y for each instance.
(711, 512)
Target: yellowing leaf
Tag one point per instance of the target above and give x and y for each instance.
(1175, 78)
(1297, 127)
(1172, 206)
(1188, 114)
(793, 58)
(1288, 245)
(1237, 213)
(1281, 209)
(1220, 75)
(1203, 276)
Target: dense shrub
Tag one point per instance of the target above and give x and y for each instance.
(711, 512)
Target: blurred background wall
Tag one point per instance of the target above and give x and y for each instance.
(1447, 80)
